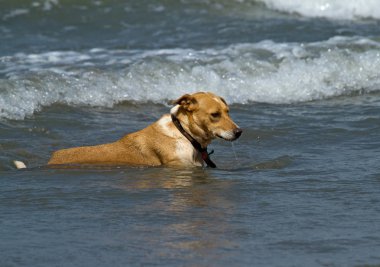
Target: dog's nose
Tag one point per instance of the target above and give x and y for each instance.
(238, 132)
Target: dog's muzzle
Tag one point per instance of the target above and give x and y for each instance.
(231, 135)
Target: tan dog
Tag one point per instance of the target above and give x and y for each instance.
(177, 139)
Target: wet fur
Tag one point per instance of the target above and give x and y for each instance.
(203, 115)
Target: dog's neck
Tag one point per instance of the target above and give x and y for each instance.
(202, 150)
(187, 122)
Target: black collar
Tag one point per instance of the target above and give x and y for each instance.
(195, 143)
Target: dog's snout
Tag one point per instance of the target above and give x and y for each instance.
(238, 132)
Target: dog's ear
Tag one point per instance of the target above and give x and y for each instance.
(187, 102)
(224, 101)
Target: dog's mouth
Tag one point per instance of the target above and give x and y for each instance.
(231, 135)
(226, 138)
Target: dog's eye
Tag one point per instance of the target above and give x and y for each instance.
(215, 115)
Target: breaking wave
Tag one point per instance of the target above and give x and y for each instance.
(333, 9)
(261, 72)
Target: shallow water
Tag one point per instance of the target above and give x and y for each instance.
(304, 190)
(301, 187)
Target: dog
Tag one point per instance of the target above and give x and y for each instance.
(176, 139)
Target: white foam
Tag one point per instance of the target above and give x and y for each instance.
(263, 72)
(15, 13)
(333, 9)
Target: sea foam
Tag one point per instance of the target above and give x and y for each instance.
(333, 9)
(266, 72)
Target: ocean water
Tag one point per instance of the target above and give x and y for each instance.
(301, 187)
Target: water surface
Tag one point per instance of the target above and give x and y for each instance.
(301, 187)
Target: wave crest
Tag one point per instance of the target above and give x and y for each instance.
(263, 72)
(333, 9)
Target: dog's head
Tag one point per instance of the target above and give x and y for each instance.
(206, 116)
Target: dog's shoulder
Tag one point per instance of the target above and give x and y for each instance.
(166, 127)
